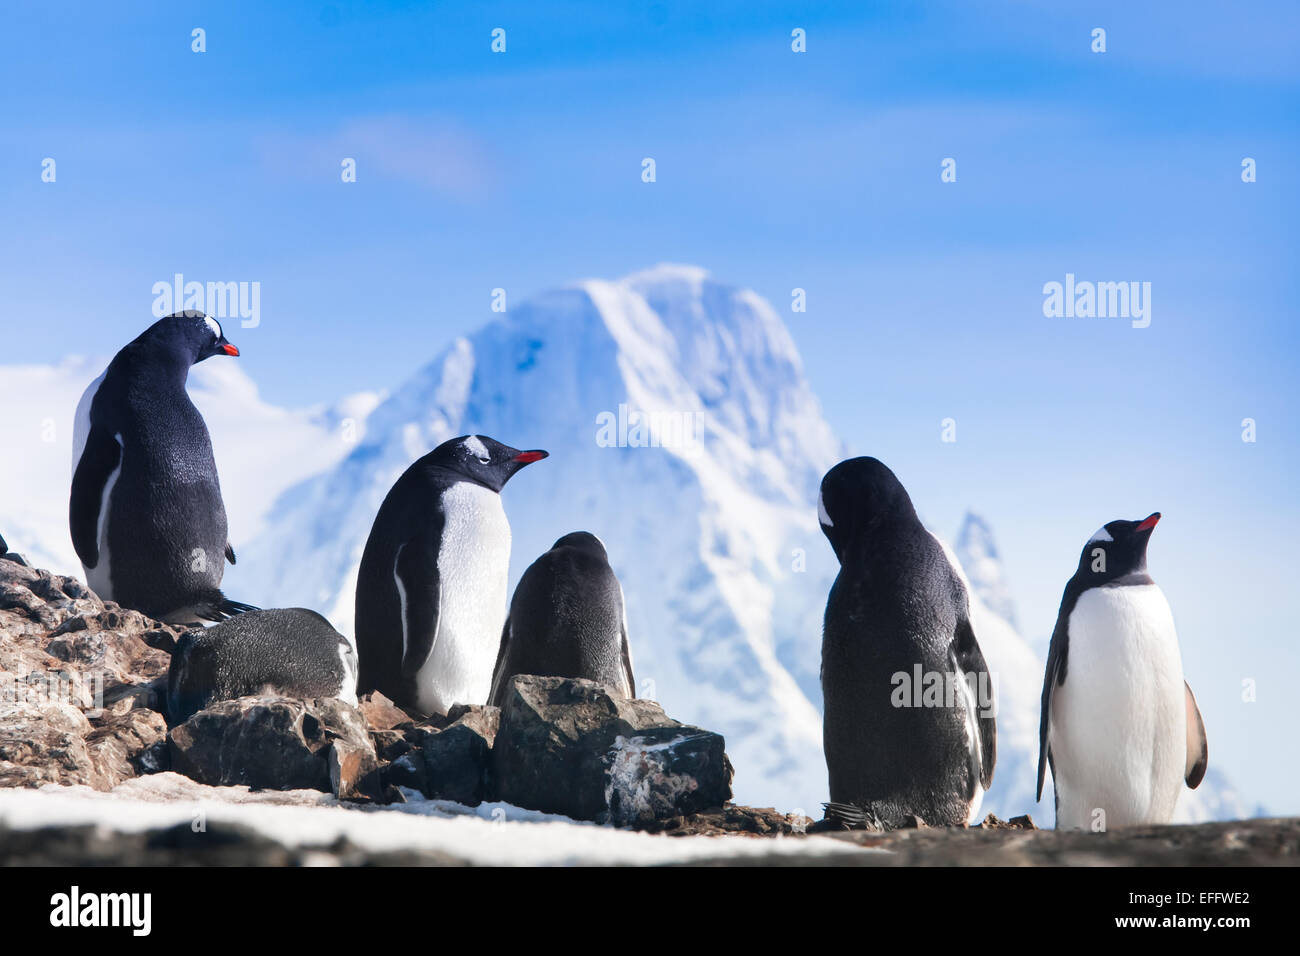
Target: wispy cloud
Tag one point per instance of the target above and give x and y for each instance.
(434, 153)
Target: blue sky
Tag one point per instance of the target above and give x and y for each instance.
(775, 170)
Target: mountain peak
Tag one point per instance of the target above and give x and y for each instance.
(978, 553)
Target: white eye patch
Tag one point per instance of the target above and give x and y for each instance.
(822, 516)
(1101, 535)
(213, 325)
(476, 447)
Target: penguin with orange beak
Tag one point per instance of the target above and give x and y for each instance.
(1119, 725)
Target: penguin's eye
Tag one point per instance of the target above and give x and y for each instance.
(484, 459)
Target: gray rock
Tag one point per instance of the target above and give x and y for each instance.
(574, 747)
(276, 743)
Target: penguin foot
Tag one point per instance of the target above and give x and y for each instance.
(152, 692)
(850, 816)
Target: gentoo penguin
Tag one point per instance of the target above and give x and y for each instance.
(431, 591)
(1119, 725)
(909, 727)
(145, 511)
(567, 620)
(292, 652)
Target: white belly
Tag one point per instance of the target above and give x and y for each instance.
(473, 565)
(1117, 732)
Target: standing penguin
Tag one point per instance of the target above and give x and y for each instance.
(145, 511)
(431, 591)
(1119, 725)
(909, 726)
(567, 620)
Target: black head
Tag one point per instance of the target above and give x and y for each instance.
(859, 497)
(583, 541)
(1118, 549)
(191, 335)
(483, 460)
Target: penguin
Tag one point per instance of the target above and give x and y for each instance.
(431, 590)
(291, 652)
(909, 726)
(1119, 724)
(567, 619)
(145, 509)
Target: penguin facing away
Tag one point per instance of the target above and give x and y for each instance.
(898, 615)
(431, 590)
(567, 619)
(1119, 724)
(145, 508)
(289, 652)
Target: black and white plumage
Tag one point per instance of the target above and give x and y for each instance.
(288, 652)
(431, 590)
(567, 620)
(145, 509)
(1119, 725)
(899, 614)
(291, 652)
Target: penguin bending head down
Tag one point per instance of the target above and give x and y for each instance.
(431, 591)
(909, 727)
(292, 652)
(145, 511)
(289, 652)
(567, 620)
(1119, 725)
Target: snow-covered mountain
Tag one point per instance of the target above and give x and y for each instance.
(713, 532)
(709, 532)
(682, 431)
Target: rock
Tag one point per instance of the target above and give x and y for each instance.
(354, 771)
(665, 772)
(573, 747)
(457, 759)
(276, 743)
(381, 713)
(60, 646)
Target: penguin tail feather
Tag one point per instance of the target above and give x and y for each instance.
(217, 607)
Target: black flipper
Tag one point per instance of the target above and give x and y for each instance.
(1198, 750)
(101, 455)
(420, 602)
(1054, 676)
(627, 663)
(970, 660)
(497, 667)
(230, 553)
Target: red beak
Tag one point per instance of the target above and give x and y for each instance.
(1149, 522)
(528, 457)
(229, 349)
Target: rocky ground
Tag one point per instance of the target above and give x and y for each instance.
(564, 773)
